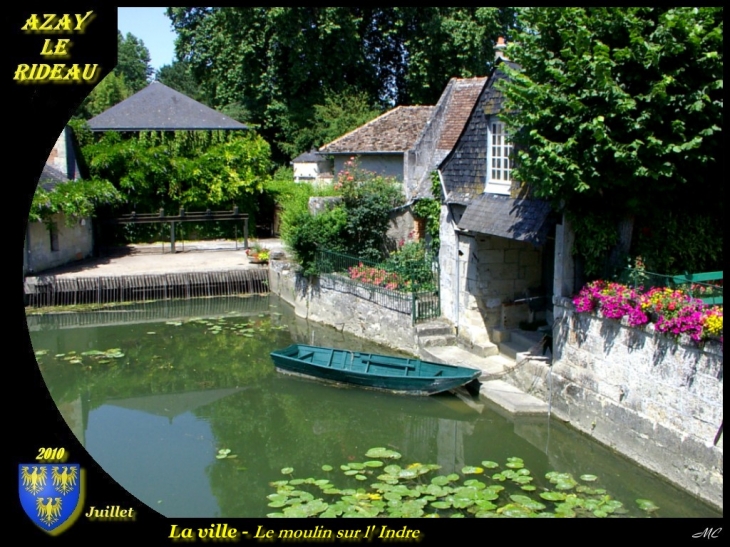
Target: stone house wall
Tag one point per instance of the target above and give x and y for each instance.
(492, 272)
(75, 242)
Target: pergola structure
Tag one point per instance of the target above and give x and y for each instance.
(160, 108)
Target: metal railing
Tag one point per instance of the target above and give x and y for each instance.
(409, 286)
(704, 286)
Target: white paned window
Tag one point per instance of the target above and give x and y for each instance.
(499, 162)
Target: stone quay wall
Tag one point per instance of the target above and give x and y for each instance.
(655, 400)
(346, 307)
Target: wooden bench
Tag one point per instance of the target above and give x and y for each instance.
(706, 278)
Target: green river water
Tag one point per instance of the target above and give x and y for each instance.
(155, 391)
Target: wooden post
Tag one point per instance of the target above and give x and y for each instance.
(172, 237)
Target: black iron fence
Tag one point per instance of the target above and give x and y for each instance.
(408, 286)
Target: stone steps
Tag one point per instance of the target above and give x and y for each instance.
(437, 343)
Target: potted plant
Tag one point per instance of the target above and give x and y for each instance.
(258, 254)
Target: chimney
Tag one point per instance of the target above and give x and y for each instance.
(499, 49)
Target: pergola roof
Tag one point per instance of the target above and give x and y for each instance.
(160, 108)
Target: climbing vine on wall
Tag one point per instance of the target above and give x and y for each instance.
(430, 210)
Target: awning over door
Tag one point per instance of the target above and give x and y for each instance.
(521, 219)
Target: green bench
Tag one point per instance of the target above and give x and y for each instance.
(705, 278)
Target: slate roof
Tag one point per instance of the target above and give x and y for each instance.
(461, 102)
(395, 131)
(464, 170)
(158, 107)
(309, 157)
(521, 219)
(51, 177)
(448, 120)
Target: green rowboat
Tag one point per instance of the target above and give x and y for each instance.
(374, 371)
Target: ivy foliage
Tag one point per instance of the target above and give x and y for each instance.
(430, 210)
(191, 169)
(75, 199)
(618, 112)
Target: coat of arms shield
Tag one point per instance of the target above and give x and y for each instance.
(51, 494)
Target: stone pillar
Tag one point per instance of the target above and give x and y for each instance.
(563, 280)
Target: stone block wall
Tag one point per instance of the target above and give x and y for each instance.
(480, 277)
(75, 242)
(651, 398)
(344, 306)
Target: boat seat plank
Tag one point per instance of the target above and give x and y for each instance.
(306, 355)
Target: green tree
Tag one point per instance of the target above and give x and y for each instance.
(339, 114)
(109, 91)
(179, 77)
(616, 113)
(281, 62)
(133, 61)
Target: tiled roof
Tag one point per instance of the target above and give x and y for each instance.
(158, 107)
(464, 170)
(520, 219)
(465, 93)
(395, 131)
(449, 118)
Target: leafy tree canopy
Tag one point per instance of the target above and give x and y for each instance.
(179, 77)
(281, 62)
(133, 61)
(617, 111)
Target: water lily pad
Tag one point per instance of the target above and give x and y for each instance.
(326, 468)
(407, 474)
(553, 496)
(528, 488)
(373, 463)
(588, 478)
(470, 470)
(490, 465)
(514, 510)
(381, 452)
(287, 470)
(647, 505)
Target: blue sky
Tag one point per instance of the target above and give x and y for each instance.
(152, 27)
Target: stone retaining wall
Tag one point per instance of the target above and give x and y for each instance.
(650, 398)
(344, 306)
